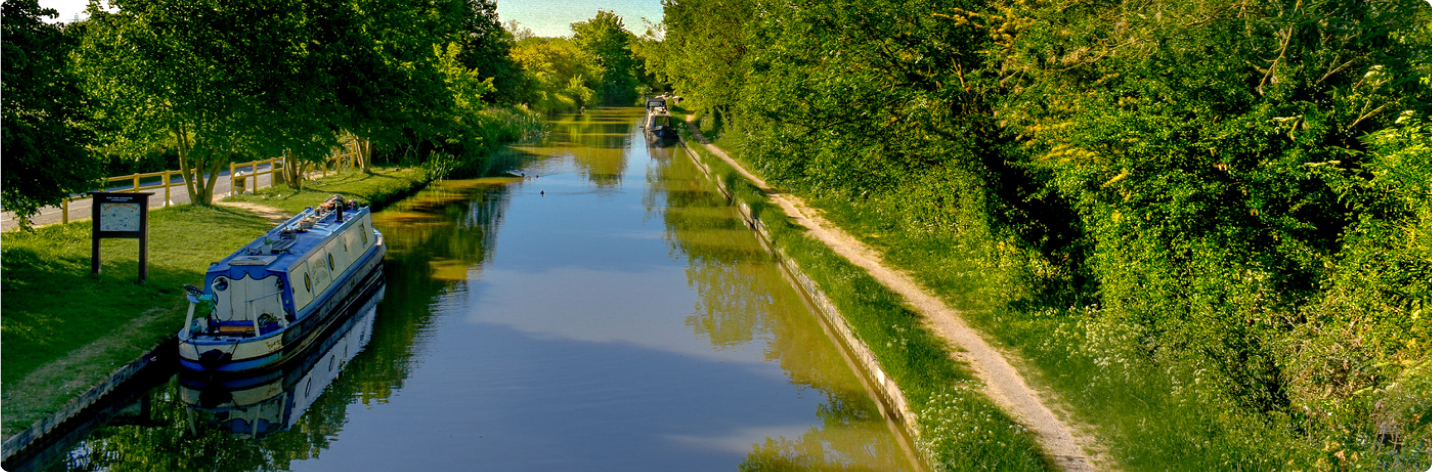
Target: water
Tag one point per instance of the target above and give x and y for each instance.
(606, 312)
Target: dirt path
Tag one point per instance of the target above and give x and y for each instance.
(1003, 383)
(273, 215)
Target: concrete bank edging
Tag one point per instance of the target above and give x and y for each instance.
(37, 432)
(892, 404)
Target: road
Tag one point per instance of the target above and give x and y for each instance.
(179, 194)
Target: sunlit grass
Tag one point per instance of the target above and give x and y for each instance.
(383, 185)
(52, 305)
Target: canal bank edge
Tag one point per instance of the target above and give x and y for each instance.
(890, 399)
(45, 430)
(38, 434)
(1064, 446)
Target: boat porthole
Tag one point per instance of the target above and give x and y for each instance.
(330, 261)
(221, 284)
(307, 283)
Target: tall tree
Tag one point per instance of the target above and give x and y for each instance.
(46, 123)
(179, 74)
(606, 39)
(487, 47)
(560, 76)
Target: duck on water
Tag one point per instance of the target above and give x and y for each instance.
(267, 302)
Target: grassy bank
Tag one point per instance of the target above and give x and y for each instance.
(379, 188)
(65, 330)
(1150, 417)
(961, 428)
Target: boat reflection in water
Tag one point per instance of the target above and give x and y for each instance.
(253, 407)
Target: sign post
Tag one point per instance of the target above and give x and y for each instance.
(121, 215)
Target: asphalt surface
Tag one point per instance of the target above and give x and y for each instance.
(178, 194)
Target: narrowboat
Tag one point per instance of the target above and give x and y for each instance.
(268, 302)
(253, 407)
(660, 129)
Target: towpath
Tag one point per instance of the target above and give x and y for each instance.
(1003, 383)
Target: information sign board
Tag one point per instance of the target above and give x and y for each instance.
(121, 215)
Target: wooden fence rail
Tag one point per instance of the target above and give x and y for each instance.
(239, 177)
(238, 183)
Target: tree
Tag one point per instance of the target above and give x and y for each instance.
(560, 74)
(704, 47)
(179, 74)
(607, 41)
(488, 49)
(47, 120)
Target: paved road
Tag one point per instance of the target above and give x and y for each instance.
(179, 194)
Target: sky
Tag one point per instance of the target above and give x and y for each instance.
(544, 17)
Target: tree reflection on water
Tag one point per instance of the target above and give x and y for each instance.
(743, 298)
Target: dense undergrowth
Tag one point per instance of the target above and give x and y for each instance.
(1208, 223)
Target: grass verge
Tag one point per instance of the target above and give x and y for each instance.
(65, 330)
(961, 429)
(379, 188)
(1150, 416)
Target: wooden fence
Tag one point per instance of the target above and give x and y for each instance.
(239, 176)
(239, 182)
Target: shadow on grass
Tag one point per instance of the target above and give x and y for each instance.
(53, 305)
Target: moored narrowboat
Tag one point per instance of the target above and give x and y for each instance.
(658, 123)
(267, 302)
(274, 400)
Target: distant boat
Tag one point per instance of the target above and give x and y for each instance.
(269, 301)
(658, 123)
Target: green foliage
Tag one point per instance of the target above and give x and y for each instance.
(560, 73)
(488, 48)
(1236, 192)
(699, 49)
(46, 122)
(605, 39)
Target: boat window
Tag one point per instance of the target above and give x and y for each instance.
(307, 283)
(363, 230)
(330, 261)
(221, 284)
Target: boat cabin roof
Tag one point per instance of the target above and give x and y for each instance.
(253, 260)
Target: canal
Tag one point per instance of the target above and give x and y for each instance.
(606, 311)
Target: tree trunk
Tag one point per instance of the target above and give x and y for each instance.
(365, 154)
(292, 171)
(206, 190)
(181, 139)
